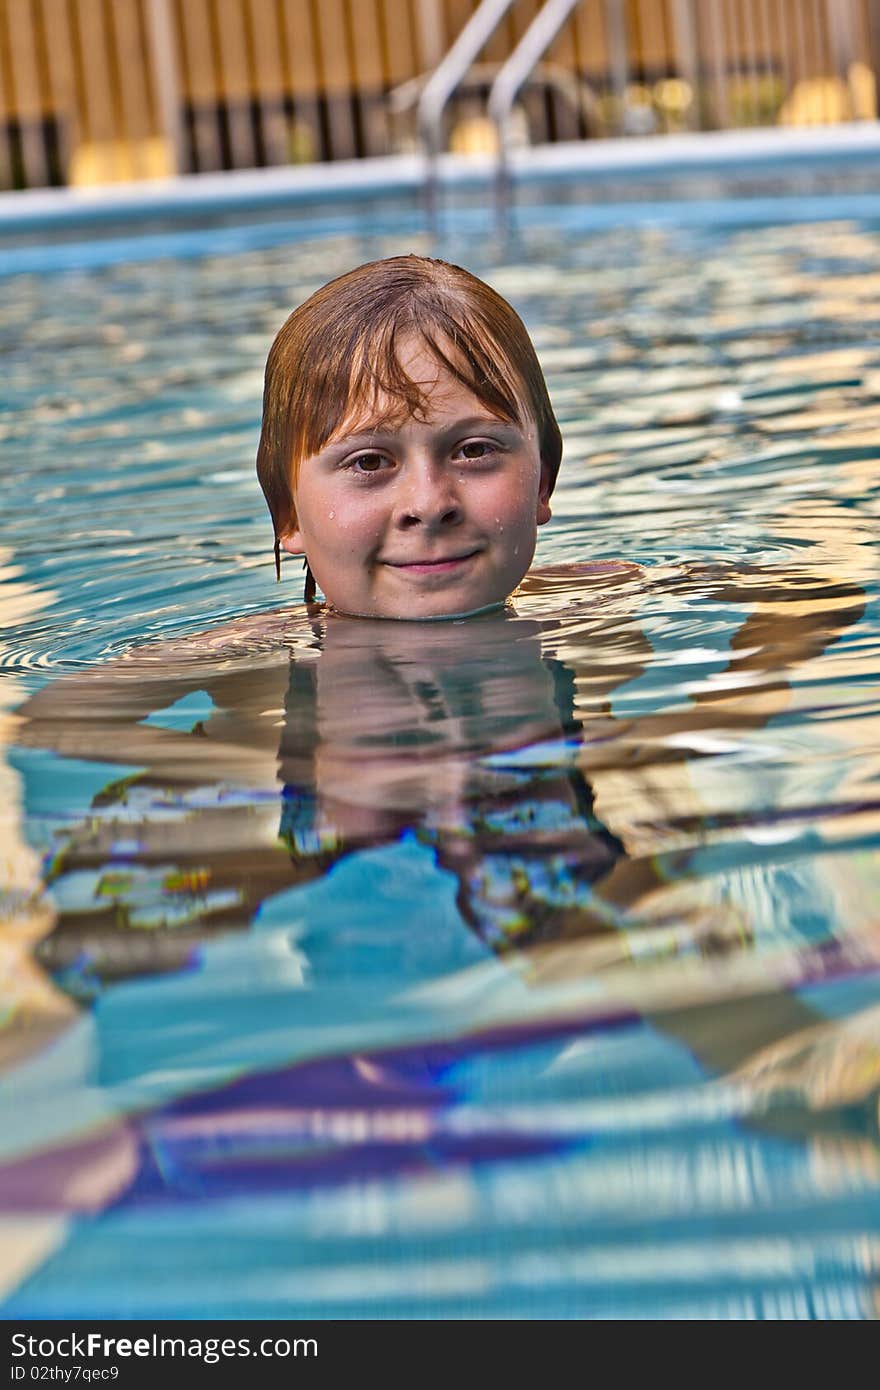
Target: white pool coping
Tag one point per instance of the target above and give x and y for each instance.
(354, 180)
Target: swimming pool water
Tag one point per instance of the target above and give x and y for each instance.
(521, 967)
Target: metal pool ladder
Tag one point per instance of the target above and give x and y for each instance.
(451, 71)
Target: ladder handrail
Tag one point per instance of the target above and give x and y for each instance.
(510, 80)
(445, 78)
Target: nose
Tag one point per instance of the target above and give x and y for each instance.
(429, 499)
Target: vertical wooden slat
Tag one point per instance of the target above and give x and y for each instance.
(820, 66)
(293, 98)
(129, 69)
(557, 108)
(401, 42)
(869, 57)
(765, 46)
(53, 107)
(812, 39)
(98, 121)
(783, 46)
(651, 37)
(750, 51)
(121, 134)
(356, 103)
(364, 39)
(382, 43)
(733, 46)
(814, 43)
(618, 52)
(189, 136)
(431, 36)
(366, 33)
(229, 45)
(7, 97)
(86, 126)
(58, 44)
(277, 40)
(299, 42)
(833, 29)
(387, 80)
(265, 109)
(634, 40)
(684, 40)
(576, 64)
(322, 121)
(413, 21)
(544, 101)
(578, 57)
(718, 62)
(599, 70)
(267, 78)
(217, 97)
(862, 31)
(162, 76)
(871, 12)
(33, 99)
(331, 54)
(838, 24)
(824, 108)
(202, 82)
(446, 21)
(592, 43)
(801, 66)
(24, 88)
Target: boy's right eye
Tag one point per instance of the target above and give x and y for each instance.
(369, 462)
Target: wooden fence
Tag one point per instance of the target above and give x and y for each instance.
(102, 90)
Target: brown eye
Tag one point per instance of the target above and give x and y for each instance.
(368, 463)
(476, 449)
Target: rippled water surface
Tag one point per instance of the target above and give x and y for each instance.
(526, 966)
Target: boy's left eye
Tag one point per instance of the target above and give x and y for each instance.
(477, 448)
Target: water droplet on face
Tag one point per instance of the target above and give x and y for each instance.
(331, 515)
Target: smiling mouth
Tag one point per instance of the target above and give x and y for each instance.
(444, 565)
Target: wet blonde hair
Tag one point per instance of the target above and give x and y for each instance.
(339, 352)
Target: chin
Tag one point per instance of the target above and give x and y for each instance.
(441, 604)
(448, 611)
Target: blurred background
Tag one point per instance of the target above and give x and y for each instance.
(102, 91)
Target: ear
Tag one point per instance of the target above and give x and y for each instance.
(292, 540)
(545, 487)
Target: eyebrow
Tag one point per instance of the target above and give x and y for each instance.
(382, 430)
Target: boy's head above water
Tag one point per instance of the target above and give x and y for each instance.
(409, 447)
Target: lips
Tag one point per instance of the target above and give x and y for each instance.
(429, 563)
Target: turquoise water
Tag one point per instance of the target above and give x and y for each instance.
(519, 967)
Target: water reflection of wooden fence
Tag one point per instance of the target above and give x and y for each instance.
(99, 90)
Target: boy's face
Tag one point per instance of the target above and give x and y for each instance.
(425, 518)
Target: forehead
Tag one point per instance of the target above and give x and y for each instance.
(432, 395)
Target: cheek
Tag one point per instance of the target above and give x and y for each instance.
(338, 524)
(511, 505)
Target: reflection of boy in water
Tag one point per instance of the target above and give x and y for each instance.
(433, 747)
